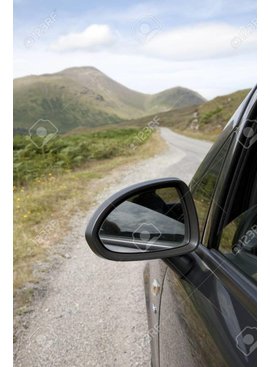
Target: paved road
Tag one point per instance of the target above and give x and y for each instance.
(94, 310)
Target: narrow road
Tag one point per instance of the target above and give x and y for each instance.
(94, 312)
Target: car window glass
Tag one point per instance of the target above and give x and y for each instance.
(238, 237)
(203, 186)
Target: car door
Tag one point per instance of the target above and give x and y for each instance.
(208, 301)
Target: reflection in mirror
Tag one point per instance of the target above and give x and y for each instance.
(150, 221)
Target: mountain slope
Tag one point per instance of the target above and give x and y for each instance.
(85, 97)
(206, 120)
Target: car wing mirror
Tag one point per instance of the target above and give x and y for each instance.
(150, 220)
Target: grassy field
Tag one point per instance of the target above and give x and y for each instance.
(53, 183)
(33, 160)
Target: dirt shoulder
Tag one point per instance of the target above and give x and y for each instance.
(43, 217)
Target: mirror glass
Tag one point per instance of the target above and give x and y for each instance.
(152, 220)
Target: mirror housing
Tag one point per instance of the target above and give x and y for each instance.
(191, 237)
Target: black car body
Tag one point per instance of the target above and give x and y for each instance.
(201, 304)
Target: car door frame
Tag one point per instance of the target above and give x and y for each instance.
(239, 284)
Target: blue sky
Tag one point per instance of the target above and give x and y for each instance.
(209, 46)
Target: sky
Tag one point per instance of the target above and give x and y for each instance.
(208, 46)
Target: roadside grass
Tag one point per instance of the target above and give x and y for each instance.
(34, 160)
(45, 203)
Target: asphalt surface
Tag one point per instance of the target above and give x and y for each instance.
(93, 313)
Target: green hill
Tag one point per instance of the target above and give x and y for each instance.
(206, 120)
(85, 97)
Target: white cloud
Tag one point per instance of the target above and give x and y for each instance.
(148, 38)
(204, 41)
(93, 38)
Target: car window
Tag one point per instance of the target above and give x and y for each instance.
(204, 183)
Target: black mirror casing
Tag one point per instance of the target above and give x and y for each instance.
(189, 210)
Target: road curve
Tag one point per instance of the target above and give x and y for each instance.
(94, 313)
